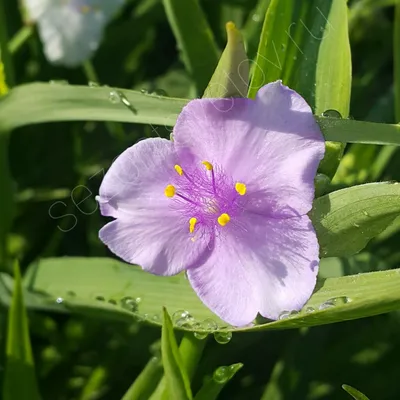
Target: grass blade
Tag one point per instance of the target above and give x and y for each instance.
(195, 39)
(354, 393)
(212, 387)
(231, 76)
(178, 384)
(19, 378)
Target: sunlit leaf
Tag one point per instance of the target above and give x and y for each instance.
(231, 76)
(346, 220)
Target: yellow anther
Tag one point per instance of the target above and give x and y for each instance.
(178, 169)
(208, 165)
(240, 188)
(170, 191)
(223, 219)
(192, 224)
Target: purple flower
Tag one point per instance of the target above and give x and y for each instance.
(227, 201)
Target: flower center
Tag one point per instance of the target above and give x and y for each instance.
(206, 197)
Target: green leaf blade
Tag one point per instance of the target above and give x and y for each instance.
(195, 39)
(19, 380)
(178, 384)
(212, 387)
(231, 76)
(346, 220)
(354, 393)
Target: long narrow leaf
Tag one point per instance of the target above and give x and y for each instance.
(195, 39)
(178, 384)
(19, 378)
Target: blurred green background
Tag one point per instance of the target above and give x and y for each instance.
(57, 169)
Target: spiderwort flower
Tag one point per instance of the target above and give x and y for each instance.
(227, 201)
(71, 30)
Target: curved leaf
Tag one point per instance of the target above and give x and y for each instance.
(76, 282)
(346, 220)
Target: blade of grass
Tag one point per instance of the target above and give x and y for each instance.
(178, 383)
(19, 378)
(195, 39)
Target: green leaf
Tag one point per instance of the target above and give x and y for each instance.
(42, 102)
(354, 393)
(178, 384)
(370, 294)
(231, 76)
(6, 198)
(195, 39)
(19, 378)
(346, 220)
(292, 48)
(212, 387)
(270, 59)
(143, 385)
(253, 27)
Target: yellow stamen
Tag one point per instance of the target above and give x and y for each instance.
(192, 224)
(178, 169)
(170, 191)
(240, 188)
(223, 219)
(208, 165)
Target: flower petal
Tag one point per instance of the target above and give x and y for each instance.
(268, 268)
(157, 243)
(272, 144)
(137, 179)
(71, 31)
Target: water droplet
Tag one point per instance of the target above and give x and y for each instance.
(59, 82)
(138, 300)
(283, 47)
(309, 310)
(113, 302)
(356, 225)
(284, 315)
(335, 301)
(144, 91)
(331, 114)
(256, 17)
(59, 300)
(100, 298)
(113, 97)
(222, 337)
(129, 303)
(156, 318)
(209, 325)
(124, 100)
(288, 314)
(160, 93)
(200, 335)
(366, 213)
(93, 84)
(221, 374)
(182, 318)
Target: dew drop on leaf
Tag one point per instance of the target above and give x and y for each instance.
(331, 114)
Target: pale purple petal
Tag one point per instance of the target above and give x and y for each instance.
(267, 268)
(272, 144)
(137, 179)
(160, 244)
(148, 230)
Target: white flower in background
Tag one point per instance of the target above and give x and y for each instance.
(71, 30)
